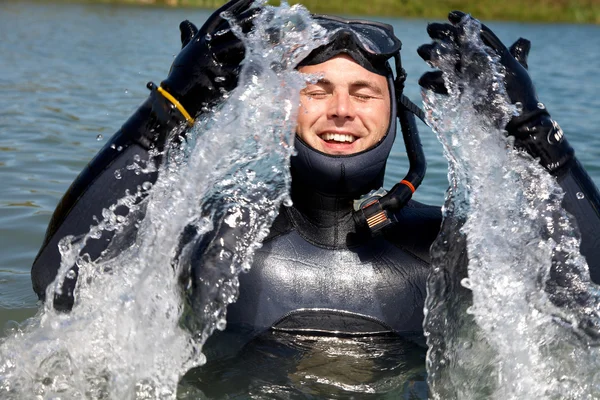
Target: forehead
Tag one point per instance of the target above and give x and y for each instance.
(342, 69)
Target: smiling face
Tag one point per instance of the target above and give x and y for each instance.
(346, 111)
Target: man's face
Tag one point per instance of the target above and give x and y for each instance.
(345, 112)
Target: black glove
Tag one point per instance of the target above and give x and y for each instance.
(204, 70)
(209, 62)
(533, 129)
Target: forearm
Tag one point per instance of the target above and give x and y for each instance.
(123, 165)
(170, 110)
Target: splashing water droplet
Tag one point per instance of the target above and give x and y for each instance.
(95, 232)
(222, 324)
(580, 196)
(466, 283)
(118, 174)
(220, 79)
(147, 185)
(99, 137)
(519, 107)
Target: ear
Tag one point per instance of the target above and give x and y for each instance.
(188, 31)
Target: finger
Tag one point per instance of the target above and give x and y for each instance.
(433, 81)
(520, 51)
(232, 8)
(426, 51)
(456, 16)
(224, 33)
(236, 7)
(188, 31)
(487, 36)
(443, 32)
(432, 53)
(246, 19)
(491, 40)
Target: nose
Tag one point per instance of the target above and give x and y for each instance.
(341, 106)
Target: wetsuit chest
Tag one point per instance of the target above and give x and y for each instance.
(374, 285)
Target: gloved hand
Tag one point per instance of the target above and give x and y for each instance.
(209, 62)
(533, 129)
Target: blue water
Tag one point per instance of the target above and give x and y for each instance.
(70, 75)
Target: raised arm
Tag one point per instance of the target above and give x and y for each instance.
(132, 155)
(534, 129)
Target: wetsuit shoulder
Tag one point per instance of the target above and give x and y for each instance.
(280, 226)
(416, 228)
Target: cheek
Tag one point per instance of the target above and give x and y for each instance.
(378, 120)
(307, 113)
(377, 115)
(303, 120)
(307, 106)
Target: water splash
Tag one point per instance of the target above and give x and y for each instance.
(142, 313)
(511, 312)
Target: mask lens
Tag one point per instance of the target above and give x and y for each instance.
(373, 39)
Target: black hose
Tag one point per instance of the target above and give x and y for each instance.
(375, 214)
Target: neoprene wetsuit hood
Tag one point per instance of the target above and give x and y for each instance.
(370, 44)
(345, 175)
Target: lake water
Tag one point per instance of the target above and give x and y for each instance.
(70, 75)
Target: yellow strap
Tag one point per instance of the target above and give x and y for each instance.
(177, 104)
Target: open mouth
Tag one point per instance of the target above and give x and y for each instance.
(337, 137)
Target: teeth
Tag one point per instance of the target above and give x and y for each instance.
(338, 137)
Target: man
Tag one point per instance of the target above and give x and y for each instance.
(318, 270)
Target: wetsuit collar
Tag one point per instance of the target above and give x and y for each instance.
(324, 220)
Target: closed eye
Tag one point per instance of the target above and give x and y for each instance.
(366, 90)
(315, 91)
(364, 96)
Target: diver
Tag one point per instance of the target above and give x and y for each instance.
(347, 258)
